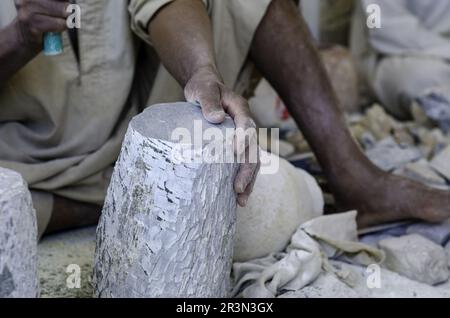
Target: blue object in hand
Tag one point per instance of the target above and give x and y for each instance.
(53, 44)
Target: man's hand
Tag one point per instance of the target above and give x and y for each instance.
(35, 17)
(182, 35)
(207, 89)
(22, 39)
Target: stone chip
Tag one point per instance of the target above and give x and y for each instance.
(417, 258)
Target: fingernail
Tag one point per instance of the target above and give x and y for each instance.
(240, 188)
(243, 200)
(216, 117)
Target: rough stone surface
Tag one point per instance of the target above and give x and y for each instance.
(417, 258)
(390, 285)
(167, 227)
(18, 238)
(438, 233)
(56, 251)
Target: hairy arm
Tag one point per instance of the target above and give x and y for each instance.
(181, 33)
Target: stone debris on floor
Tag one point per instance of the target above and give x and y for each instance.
(57, 252)
(417, 258)
(418, 254)
(60, 257)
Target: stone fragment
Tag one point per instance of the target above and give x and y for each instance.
(377, 282)
(168, 224)
(417, 258)
(438, 233)
(402, 136)
(441, 163)
(421, 171)
(436, 105)
(18, 238)
(379, 122)
(447, 252)
(388, 155)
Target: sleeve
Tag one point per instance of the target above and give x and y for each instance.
(142, 11)
(402, 32)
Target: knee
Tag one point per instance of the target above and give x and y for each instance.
(398, 80)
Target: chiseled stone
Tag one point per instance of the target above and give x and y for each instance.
(167, 227)
(417, 258)
(18, 238)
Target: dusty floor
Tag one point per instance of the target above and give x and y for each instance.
(57, 252)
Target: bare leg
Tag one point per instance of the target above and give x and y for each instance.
(285, 54)
(68, 214)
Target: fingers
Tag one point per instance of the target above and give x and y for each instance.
(42, 24)
(208, 95)
(246, 176)
(210, 101)
(52, 8)
(238, 108)
(206, 89)
(35, 17)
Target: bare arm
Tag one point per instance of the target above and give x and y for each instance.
(21, 40)
(182, 35)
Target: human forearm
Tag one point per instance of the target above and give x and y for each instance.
(182, 35)
(285, 54)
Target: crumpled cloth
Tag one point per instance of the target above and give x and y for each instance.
(326, 237)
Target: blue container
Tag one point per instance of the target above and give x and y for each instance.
(53, 44)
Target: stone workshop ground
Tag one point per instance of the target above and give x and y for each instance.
(57, 252)
(417, 149)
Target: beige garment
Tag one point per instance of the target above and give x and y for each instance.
(408, 55)
(305, 258)
(62, 124)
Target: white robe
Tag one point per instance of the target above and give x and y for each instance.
(408, 55)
